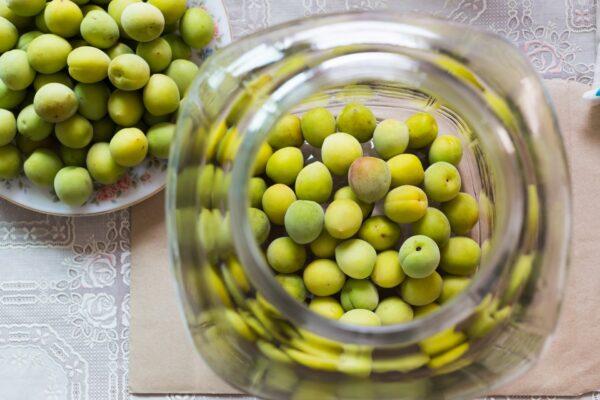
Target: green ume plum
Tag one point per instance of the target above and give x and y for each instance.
(20, 22)
(387, 272)
(327, 307)
(317, 124)
(180, 49)
(157, 54)
(285, 164)
(142, 21)
(390, 138)
(125, 108)
(460, 256)
(15, 71)
(160, 137)
(256, 186)
(442, 181)
(9, 35)
(380, 232)
(362, 317)
(423, 291)
(161, 95)
(183, 73)
(359, 293)
(259, 223)
(73, 157)
(343, 218)
(73, 186)
(462, 212)
(63, 18)
(286, 256)
(346, 193)
(206, 184)
(196, 27)
(115, 10)
(356, 258)
(446, 148)
(394, 311)
(369, 178)
(8, 127)
(93, 100)
(293, 285)
(207, 220)
(339, 150)
(405, 204)
(99, 29)
(406, 169)
(452, 287)
(10, 162)
(433, 224)
(32, 126)
(304, 221)
(42, 166)
(118, 50)
(314, 182)
(103, 168)
(358, 121)
(128, 72)
(419, 256)
(9, 99)
(75, 132)
(170, 28)
(172, 10)
(55, 102)
(422, 130)
(323, 278)
(40, 23)
(276, 200)
(324, 246)
(25, 8)
(56, 77)
(88, 64)
(25, 39)
(285, 133)
(129, 147)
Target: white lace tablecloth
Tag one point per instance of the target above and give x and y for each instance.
(64, 282)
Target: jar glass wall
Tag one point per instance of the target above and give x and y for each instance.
(479, 88)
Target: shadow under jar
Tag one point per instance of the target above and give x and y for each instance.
(478, 87)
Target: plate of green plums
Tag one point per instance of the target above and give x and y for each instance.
(89, 96)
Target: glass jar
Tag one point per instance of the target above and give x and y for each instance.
(263, 341)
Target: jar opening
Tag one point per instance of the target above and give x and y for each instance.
(393, 72)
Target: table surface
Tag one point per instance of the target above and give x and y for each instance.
(64, 282)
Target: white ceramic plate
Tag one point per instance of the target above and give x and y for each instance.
(140, 182)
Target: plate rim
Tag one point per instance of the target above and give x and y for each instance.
(117, 208)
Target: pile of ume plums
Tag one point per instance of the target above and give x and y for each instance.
(391, 243)
(89, 88)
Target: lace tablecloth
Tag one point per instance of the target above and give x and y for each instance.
(64, 282)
